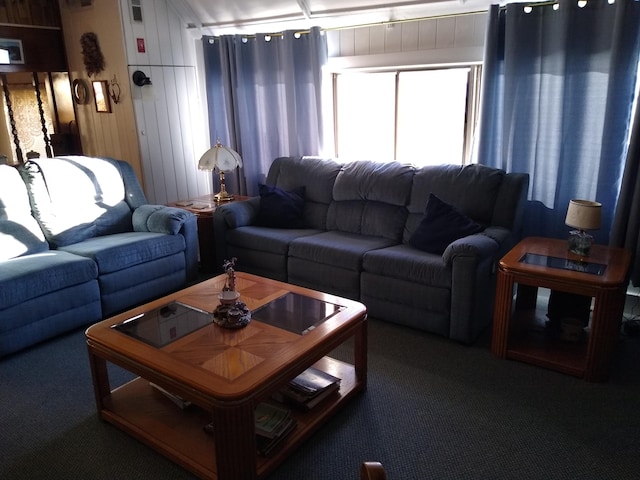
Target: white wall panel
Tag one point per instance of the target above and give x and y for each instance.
(449, 39)
(169, 114)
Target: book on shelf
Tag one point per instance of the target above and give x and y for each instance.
(309, 388)
(178, 400)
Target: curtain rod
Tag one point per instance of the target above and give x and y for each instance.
(408, 20)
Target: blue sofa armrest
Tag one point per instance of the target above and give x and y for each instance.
(472, 262)
(229, 216)
(171, 221)
(478, 245)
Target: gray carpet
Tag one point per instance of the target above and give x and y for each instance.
(433, 410)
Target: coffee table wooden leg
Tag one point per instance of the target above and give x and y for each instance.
(234, 434)
(100, 375)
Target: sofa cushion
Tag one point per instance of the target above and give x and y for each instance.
(20, 233)
(471, 189)
(280, 208)
(94, 206)
(341, 249)
(409, 264)
(41, 273)
(441, 225)
(123, 250)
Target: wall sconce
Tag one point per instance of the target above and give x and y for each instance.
(114, 90)
(140, 78)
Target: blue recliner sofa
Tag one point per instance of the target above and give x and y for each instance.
(79, 243)
(417, 246)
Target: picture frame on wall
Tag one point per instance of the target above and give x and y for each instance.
(101, 96)
(11, 51)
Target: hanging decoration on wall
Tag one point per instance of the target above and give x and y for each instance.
(91, 53)
(114, 90)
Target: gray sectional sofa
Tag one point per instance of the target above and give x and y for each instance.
(373, 232)
(78, 243)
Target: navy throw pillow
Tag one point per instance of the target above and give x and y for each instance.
(279, 208)
(441, 225)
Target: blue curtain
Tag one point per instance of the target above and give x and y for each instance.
(264, 98)
(558, 90)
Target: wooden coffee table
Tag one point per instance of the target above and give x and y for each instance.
(226, 373)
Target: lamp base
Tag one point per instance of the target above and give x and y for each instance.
(580, 242)
(223, 196)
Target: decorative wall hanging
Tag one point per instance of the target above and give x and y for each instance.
(80, 91)
(114, 90)
(101, 96)
(91, 53)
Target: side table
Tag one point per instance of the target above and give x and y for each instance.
(544, 262)
(203, 208)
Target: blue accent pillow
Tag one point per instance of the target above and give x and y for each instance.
(279, 208)
(441, 225)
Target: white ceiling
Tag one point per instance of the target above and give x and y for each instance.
(217, 17)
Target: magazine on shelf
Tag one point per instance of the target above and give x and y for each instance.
(313, 381)
(271, 420)
(309, 388)
(178, 400)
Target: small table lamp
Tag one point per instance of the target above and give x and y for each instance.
(582, 215)
(225, 160)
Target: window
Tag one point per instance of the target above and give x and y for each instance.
(424, 117)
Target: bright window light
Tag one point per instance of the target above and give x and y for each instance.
(431, 116)
(366, 116)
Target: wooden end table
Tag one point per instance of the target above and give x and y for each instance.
(545, 262)
(203, 208)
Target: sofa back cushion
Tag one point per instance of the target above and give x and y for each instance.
(316, 175)
(470, 189)
(20, 233)
(75, 198)
(370, 198)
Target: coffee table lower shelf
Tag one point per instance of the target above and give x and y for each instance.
(143, 412)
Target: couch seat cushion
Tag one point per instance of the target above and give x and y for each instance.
(410, 264)
(123, 250)
(342, 249)
(264, 239)
(38, 274)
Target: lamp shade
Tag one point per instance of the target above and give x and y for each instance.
(220, 157)
(584, 214)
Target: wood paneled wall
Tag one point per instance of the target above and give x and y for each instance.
(103, 134)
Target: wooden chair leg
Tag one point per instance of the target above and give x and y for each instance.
(372, 471)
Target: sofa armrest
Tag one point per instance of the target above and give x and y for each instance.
(159, 219)
(171, 221)
(228, 217)
(478, 245)
(472, 261)
(238, 214)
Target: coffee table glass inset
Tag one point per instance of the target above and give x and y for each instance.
(226, 374)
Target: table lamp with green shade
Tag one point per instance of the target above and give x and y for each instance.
(225, 160)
